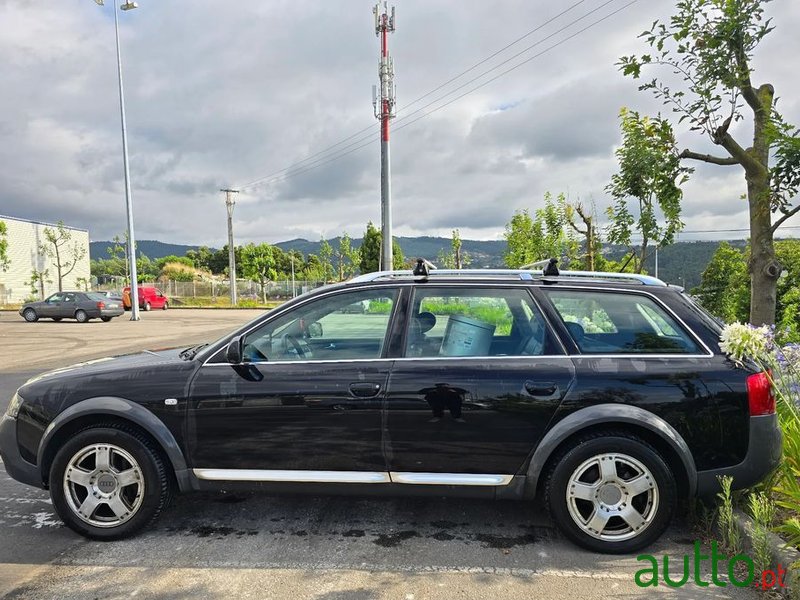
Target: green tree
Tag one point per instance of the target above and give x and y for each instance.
(370, 250)
(788, 293)
(545, 235)
(650, 174)
(38, 280)
(57, 247)
(456, 258)
(258, 264)
(710, 45)
(724, 288)
(326, 260)
(201, 258)
(592, 257)
(347, 258)
(4, 261)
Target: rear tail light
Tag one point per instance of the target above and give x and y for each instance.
(101, 305)
(760, 395)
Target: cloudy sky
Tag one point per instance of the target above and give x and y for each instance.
(227, 93)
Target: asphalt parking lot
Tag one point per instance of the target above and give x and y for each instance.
(256, 546)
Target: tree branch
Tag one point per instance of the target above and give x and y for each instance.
(717, 160)
(742, 156)
(786, 215)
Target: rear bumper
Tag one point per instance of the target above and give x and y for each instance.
(112, 312)
(17, 467)
(763, 455)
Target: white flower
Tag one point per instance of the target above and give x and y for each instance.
(739, 340)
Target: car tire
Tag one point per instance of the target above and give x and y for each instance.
(147, 306)
(166, 306)
(30, 315)
(79, 473)
(105, 319)
(612, 480)
(81, 316)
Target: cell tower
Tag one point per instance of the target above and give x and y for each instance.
(384, 108)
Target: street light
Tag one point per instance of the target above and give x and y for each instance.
(134, 295)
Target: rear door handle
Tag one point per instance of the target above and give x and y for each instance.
(541, 389)
(365, 390)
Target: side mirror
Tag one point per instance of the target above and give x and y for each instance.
(233, 353)
(314, 330)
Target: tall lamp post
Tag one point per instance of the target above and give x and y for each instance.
(134, 283)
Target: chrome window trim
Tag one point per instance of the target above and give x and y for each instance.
(472, 479)
(460, 358)
(295, 476)
(634, 292)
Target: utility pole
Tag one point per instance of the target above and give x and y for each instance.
(384, 108)
(229, 202)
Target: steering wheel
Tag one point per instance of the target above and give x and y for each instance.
(300, 346)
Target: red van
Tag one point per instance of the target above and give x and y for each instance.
(149, 298)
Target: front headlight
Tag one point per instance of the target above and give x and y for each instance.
(14, 406)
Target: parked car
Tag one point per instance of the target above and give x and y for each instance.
(115, 295)
(149, 298)
(81, 306)
(606, 394)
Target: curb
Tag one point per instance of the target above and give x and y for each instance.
(781, 553)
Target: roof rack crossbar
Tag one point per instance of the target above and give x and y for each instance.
(565, 275)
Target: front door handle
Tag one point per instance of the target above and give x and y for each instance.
(541, 389)
(365, 390)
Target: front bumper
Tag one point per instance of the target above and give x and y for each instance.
(17, 467)
(764, 452)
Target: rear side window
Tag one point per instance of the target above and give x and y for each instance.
(616, 323)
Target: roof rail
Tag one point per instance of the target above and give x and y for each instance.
(518, 273)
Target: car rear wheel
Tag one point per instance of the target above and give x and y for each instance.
(611, 492)
(147, 306)
(105, 319)
(108, 482)
(30, 315)
(81, 316)
(166, 306)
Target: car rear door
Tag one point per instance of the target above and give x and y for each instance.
(476, 387)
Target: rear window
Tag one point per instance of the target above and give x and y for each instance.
(96, 297)
(617, 323)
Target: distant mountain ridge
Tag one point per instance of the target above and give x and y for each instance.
(681, 264)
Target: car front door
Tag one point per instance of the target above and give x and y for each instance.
(481, 377)
(292, 411)
(51, 306)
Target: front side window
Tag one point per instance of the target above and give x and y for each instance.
(55, 298)
(345, 326)
(476, 322)
(611, 323)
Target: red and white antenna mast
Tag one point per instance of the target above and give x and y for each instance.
(384, 108)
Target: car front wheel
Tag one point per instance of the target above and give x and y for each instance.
(30, 315)
(611, 492)
(109, 482)
(166, 306)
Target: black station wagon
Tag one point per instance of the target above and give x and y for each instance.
(605, 394)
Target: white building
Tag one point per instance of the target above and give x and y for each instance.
(24, 240)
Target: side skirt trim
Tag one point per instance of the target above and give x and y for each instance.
(302, 476)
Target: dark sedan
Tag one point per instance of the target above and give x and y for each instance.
(81, 306)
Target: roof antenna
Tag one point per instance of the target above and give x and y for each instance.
(423, 268)
(551, 270)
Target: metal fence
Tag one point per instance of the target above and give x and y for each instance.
(245, 289)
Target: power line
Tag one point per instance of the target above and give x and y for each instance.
(436, 89)
(288, 172)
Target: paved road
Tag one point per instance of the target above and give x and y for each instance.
(255, 546)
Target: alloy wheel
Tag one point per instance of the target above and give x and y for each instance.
(612, 497)
(103, 485)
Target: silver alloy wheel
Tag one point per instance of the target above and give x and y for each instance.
(612, 497)
(103, 485)
(29, 314)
